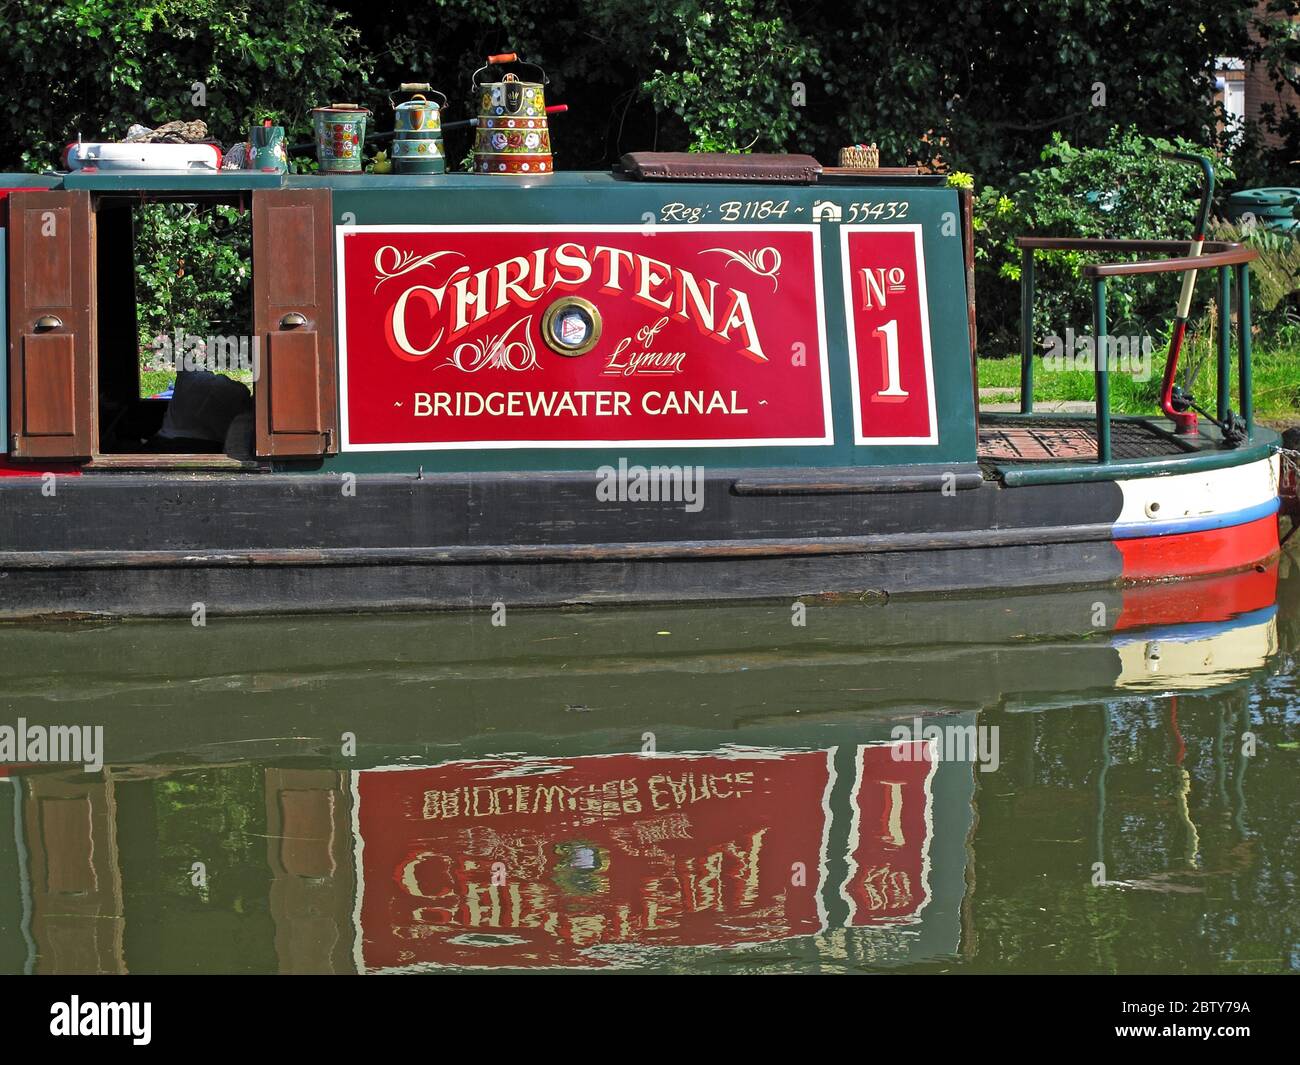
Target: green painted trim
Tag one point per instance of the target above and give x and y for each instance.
(1225, 342)
(1245, 380)
(1066, 473)
(29, 181)
(1027, 331)
(561, 180)
(169, 181)
(1101, 369)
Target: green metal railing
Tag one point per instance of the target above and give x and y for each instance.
(1227, 258)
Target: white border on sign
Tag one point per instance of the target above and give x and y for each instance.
(342, 231)
(924, 303)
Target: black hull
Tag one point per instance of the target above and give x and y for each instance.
(158, 545)
(146, 591)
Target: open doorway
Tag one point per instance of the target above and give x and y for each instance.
(178, 358)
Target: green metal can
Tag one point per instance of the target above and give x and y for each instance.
(1272, 208)
(340, 133)
(268, 148)
(417, 133)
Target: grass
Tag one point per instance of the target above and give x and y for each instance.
(1276, 372)
(154, 381)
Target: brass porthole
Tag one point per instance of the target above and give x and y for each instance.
(571, 326)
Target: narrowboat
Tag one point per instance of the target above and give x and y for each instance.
(691, 378)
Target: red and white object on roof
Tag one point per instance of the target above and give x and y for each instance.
(116, 155)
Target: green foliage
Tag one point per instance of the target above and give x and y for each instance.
(95, 66)
(1275, 275)
(1123, 189)
(732, 73)
(218, 812)
(193, 271)
(979, 83)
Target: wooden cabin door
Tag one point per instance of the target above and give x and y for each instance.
(52, 412)
(296, 394)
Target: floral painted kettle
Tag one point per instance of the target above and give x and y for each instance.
(417, 130)
(512, 135)
(416, 113)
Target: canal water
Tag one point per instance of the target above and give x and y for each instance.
(1061, 782)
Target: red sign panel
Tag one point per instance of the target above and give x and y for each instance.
(568, 862)
(889, 335)
(581, 336)
(889, 842)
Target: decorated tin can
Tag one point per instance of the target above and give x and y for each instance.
(417, 127)
(267, 148)
(424, 155)
(512, 136)
(417, 114)
(340, 133)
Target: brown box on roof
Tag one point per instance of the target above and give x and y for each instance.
(721, 166)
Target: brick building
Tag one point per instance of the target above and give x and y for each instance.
(1247, 91)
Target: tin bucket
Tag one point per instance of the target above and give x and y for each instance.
(417, 128)
(340, 133)
(512, 136)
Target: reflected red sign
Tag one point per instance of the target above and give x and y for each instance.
(566, 862)
(580, 336)
(889, 335)
(889, 841)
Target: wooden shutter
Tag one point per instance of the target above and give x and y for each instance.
(293, 318)
(51, 325)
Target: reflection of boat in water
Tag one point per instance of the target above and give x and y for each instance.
(829, 853)
(637, 859)
(594, 861)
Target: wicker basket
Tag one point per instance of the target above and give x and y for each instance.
(860, 157)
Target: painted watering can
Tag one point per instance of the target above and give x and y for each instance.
(512, 135)
(340, 132)
(417, 128)
(266, 148)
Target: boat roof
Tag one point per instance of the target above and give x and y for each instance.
(239, 180)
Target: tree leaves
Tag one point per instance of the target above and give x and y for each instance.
(96, 66)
